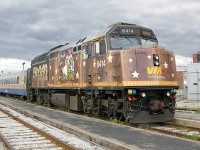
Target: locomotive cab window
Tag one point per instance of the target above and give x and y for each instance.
(89, 50)
(100, 47)
(74, 49)
(96, 48)
(79, 47)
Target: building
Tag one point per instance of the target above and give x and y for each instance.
(196, 57)
(181, 76)
(193, 81)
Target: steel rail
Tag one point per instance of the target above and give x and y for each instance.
(49, 137)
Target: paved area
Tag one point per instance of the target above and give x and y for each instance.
(130, 137)
(188, 104)
(187, 115)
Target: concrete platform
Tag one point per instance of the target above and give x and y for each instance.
(104, 132)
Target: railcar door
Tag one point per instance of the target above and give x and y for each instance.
(88, 70)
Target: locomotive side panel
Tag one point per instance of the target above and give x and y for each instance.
(66, 68)
(53, 68)
(66, 71)
(167, 64)
(114, 67)
(39, 69)
(107, 69)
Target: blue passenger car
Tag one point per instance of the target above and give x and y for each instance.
(13, 84)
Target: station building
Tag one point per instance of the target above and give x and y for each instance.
(193, 78)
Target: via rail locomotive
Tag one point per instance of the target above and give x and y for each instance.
(120, 71)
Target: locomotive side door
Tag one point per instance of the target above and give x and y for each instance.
(95, 62)
(99, 62)
(88, 71)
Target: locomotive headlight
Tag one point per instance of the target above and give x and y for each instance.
(168, 94)
(156, 63)
(143, 94)
(156, 60)
(156, 57)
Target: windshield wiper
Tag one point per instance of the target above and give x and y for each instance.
(129, 40)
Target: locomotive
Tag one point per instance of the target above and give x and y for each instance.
(119, 72)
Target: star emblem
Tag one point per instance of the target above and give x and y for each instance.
(110, 58)
(149, 56)
(135, 74)
(165, 65)
(130, 60)
(77, 75)
(84, 63)
(172, 75)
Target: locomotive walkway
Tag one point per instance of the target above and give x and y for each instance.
(104, 132)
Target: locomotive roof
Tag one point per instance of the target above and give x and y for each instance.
(96, 35)
(39, 58)
(88, 38)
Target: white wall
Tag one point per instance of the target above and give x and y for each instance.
(193, 81)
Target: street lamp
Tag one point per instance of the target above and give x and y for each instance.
(23, 65)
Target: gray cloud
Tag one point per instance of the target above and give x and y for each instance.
(31, 27)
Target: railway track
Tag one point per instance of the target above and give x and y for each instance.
(21, 132)
(171, 128)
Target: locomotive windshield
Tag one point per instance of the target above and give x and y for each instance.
(126, 37)
(123, 42)
(147, 42)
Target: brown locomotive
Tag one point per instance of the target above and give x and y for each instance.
(120, 71)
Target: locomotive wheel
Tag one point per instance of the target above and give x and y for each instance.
(39, 100)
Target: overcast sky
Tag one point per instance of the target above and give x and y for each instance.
(31, 27)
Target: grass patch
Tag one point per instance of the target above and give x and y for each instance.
(7, 96)
(191, 137)
(115, 120)
(198, 110)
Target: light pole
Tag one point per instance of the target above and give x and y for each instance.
(2, 73)
(23, 65)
